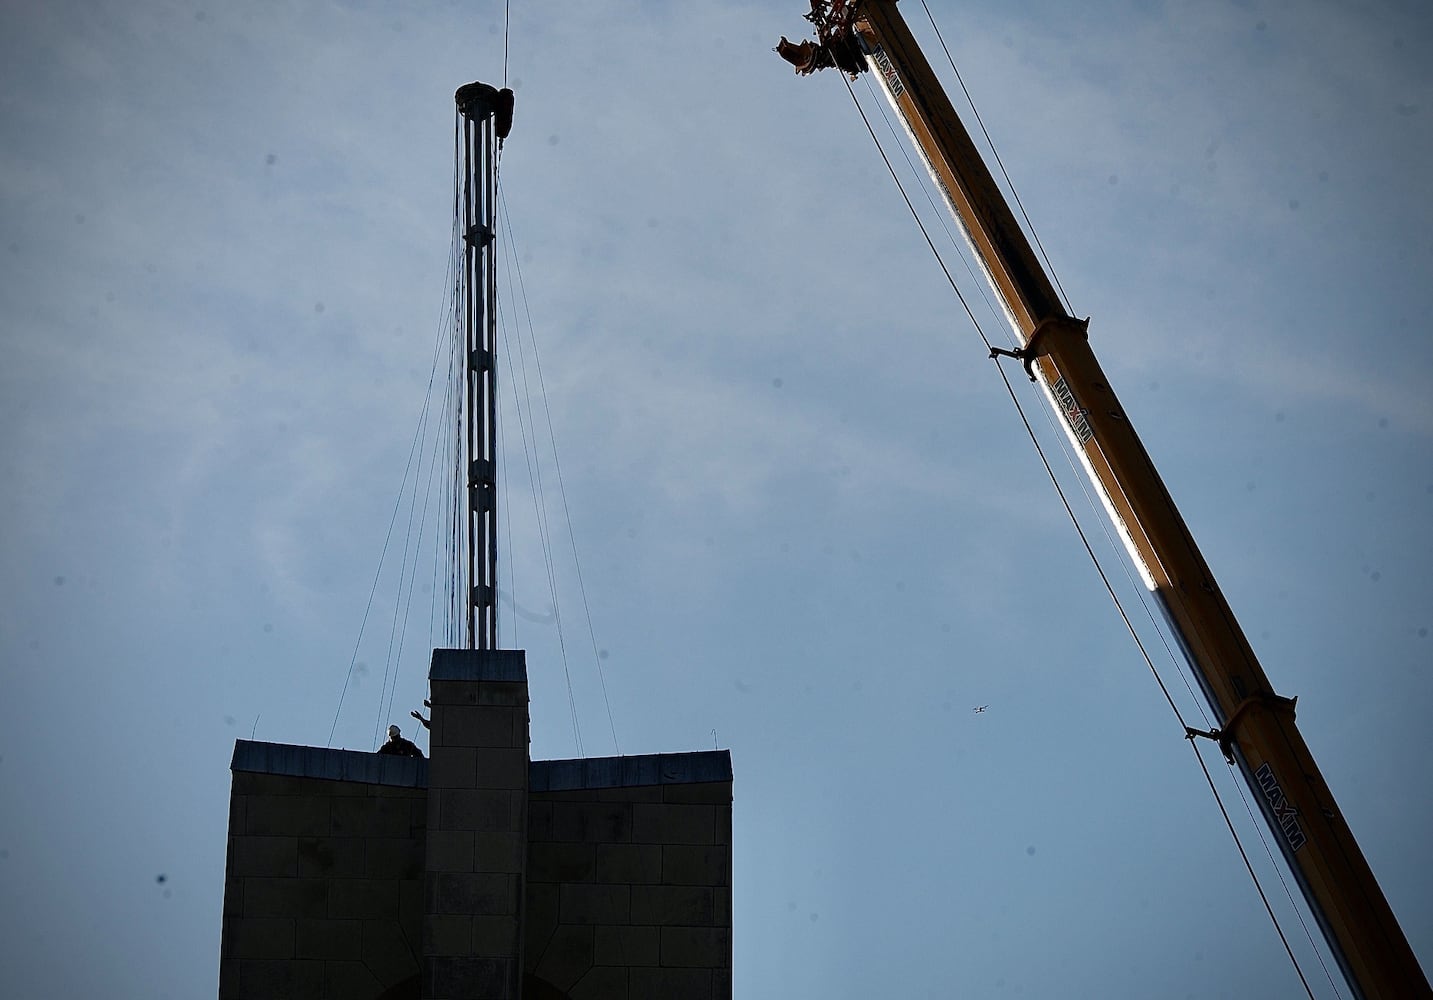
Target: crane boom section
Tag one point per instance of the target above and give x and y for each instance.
(1256, 727)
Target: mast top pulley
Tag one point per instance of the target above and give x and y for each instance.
(479, 100)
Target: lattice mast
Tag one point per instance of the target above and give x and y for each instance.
(485, 117)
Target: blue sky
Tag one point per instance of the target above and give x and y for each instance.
(807, 517)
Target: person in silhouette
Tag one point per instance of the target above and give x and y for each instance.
(398, 746)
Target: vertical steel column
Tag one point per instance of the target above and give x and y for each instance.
(486, 113)
(486, 474)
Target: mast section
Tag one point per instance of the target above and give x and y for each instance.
(485, 118)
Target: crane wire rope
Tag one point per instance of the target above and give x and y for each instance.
(534, 470)
(980, 285)
(999, 162)
(390, 666)
(455, 512)
(363, 624)
(434, 638)
(417, 541)
(533, 461)
(1278, 869)
(1010, 334)
(507, 532)
(942, 216)
(1084, 540)
(1057, 434)
(507, 26)
(516, 268)
(1139, 591)
(502, 446)
(1070, 461)
(457, 366)
(392, 521)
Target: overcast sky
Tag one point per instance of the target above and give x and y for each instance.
(811, 528)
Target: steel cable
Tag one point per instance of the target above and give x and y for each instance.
(1084, 540)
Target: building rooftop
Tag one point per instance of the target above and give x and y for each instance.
(333, 765)
(543, 775)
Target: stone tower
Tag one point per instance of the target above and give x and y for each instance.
(479, 874)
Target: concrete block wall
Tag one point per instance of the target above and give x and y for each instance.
(323, 883)
(478, 874)
(629, 885)
(477, 826)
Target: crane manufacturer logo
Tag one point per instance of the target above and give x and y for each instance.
(893, 79)
(1074, 412)
(1284, 814)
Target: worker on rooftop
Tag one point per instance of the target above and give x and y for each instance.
(398, 746)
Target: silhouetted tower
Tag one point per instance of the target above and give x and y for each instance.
(484, 119)
(375, 877)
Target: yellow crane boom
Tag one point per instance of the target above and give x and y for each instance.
(1255, 726)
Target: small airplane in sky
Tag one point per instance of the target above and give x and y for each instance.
(980, 708)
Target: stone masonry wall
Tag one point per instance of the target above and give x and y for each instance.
(629, 886)
(477, 826)
(323, 883)
(478, 874)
